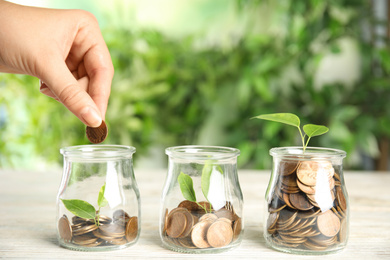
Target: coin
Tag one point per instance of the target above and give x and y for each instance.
(237, 227)
(287, 167)
(65, 229)
(209, 216)
(97, 135)
(112, 230)
(219, 234)
(341, 198)
(84, 239)
(299, 201)
(189, 224)
(189, 205)
(199, 232)
(177, 222)
(132, 229)
(328, 223)
(83, 229)
(308, 170)
(224, 213)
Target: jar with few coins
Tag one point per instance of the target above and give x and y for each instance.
(202, 202)
(98, 202)
(307, 208)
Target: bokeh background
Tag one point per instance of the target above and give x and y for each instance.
(195, 72)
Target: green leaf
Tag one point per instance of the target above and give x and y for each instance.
(315, 130)
(285, 118)
(80, 208)
(205, 180)
(186, 187)
(102, 202)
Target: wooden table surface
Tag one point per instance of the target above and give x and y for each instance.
(28, 211)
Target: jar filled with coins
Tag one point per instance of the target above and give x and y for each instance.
(201, 209)
(98, 203)
(307, 209)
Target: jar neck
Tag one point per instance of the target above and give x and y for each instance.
(97, 152)
(310, 153)
(202, 153)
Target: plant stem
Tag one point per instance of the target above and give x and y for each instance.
(303, 138)
(204, 208)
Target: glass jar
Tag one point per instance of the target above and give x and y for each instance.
(98, 203)
(307, 208)
(201, 207)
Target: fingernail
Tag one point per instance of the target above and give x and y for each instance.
(91, 117)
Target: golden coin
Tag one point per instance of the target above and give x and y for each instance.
(84, 229)
(306, 189)
(292, 239)
(189, 205)
(237, 227)
(328, 223)
(287, 200)
(198, 234)
(209, 216)
(289, 180)
(341, 198)
(112, 230)
(287, 167)
(299, 201)
(308, 171)
(65, 229)
(219, 234)
(309, 214)
(312, 246)
(224, 213)
(186, 242)
(272, 220)
(190, 223)
(226, 220)
(132, 229)
(84, 239)
(323, 240)
(177, 222)
(97, 135)
(273, 210)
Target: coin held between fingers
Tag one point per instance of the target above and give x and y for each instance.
(97, 134)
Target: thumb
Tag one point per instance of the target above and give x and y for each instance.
(73, 96)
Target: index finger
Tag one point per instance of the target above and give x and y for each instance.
(98, 65)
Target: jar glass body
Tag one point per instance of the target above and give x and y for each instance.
(98, 203)
(202, 202)
(307, 208)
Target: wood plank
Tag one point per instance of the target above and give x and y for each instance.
(28, 210)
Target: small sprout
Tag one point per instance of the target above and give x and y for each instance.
(310, 130)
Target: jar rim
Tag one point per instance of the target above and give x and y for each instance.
(202, 152)
(97, 150)
(296, 152)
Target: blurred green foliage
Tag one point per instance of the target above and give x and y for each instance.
(173, 91)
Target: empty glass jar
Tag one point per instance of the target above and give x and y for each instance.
(307, 209)
(98, 204)
(201, 207)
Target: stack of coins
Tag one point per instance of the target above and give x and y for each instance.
(308, 208)
(194, 227)
(106, 231)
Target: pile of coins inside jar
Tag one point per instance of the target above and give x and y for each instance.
(105, 231)
(194, 226)
(308, 208)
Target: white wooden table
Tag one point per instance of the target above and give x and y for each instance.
(28, 210)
